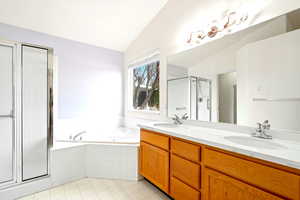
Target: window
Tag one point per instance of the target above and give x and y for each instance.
(144, 86)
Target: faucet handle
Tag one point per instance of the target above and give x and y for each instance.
(261, 130)
(259, 126)
(185, 116)
(266, 122)
(176, 117)
(266, 125)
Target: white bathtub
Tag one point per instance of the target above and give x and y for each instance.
(105, 154)
(72, 161)
(120, 135)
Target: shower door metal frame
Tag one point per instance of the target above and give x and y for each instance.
(190, 95)
(13, 114)
(50, 52)
(17, 112)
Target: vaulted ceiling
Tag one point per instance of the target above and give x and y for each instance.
(112, 24)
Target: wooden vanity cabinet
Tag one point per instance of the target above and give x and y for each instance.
(155, 165)
(155, 159)
(260, 175)
(190, 171)
(180, 190)
(185, 171)
(221, 187)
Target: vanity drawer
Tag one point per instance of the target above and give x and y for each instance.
(187, 150)
(181, 191)
(186, 171)
(268, 178)
(155, 139)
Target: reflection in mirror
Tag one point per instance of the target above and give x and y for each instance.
(191, 96)
(242, 78)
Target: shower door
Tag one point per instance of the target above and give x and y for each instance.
(35, 109)
(25, 112)
(7, 128)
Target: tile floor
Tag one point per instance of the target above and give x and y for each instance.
(101, 189)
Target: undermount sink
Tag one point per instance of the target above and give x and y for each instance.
(166, 125)
(254, 142)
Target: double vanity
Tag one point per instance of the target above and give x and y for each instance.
(230, 83)
(192, 163)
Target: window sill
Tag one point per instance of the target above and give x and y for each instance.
(144, 111)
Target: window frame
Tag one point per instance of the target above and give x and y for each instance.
(131, 67)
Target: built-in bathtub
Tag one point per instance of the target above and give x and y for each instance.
(120, 135)
(111, 154)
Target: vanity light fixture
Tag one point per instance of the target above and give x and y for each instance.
(224, 25)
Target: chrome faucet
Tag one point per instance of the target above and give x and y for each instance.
(77, 135)
(261, 131)
(179, 120)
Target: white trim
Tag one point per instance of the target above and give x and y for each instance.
(155, 56)
(144, 111)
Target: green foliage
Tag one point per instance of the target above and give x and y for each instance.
(154, 100)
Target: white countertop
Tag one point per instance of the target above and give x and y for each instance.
(287, 153)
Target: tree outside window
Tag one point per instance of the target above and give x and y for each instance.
(146, 87)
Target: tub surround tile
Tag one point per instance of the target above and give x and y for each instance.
(112, 161)
(75, 162)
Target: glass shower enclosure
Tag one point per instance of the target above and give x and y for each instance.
(190, 95)
(25, 112)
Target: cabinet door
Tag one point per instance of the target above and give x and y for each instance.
(155, 165)
(186, 171)
(218, 186)
(181, 191)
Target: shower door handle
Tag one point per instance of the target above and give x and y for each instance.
(8, 116)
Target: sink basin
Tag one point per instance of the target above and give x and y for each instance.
(166, 125)
(254, 142)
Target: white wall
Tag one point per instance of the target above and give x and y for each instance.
(270, 69)
(226, 97)
(167, 33)
(179, 97)
(89, 78)
(176, 71)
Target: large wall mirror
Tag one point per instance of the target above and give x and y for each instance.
(243, 78)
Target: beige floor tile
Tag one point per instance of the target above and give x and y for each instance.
(101, 189)
(27, 198)
(45, 195)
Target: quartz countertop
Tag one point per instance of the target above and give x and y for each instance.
(281, 151)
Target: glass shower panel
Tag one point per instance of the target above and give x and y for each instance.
(35, 109)
(6, 114)
(204, 100)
